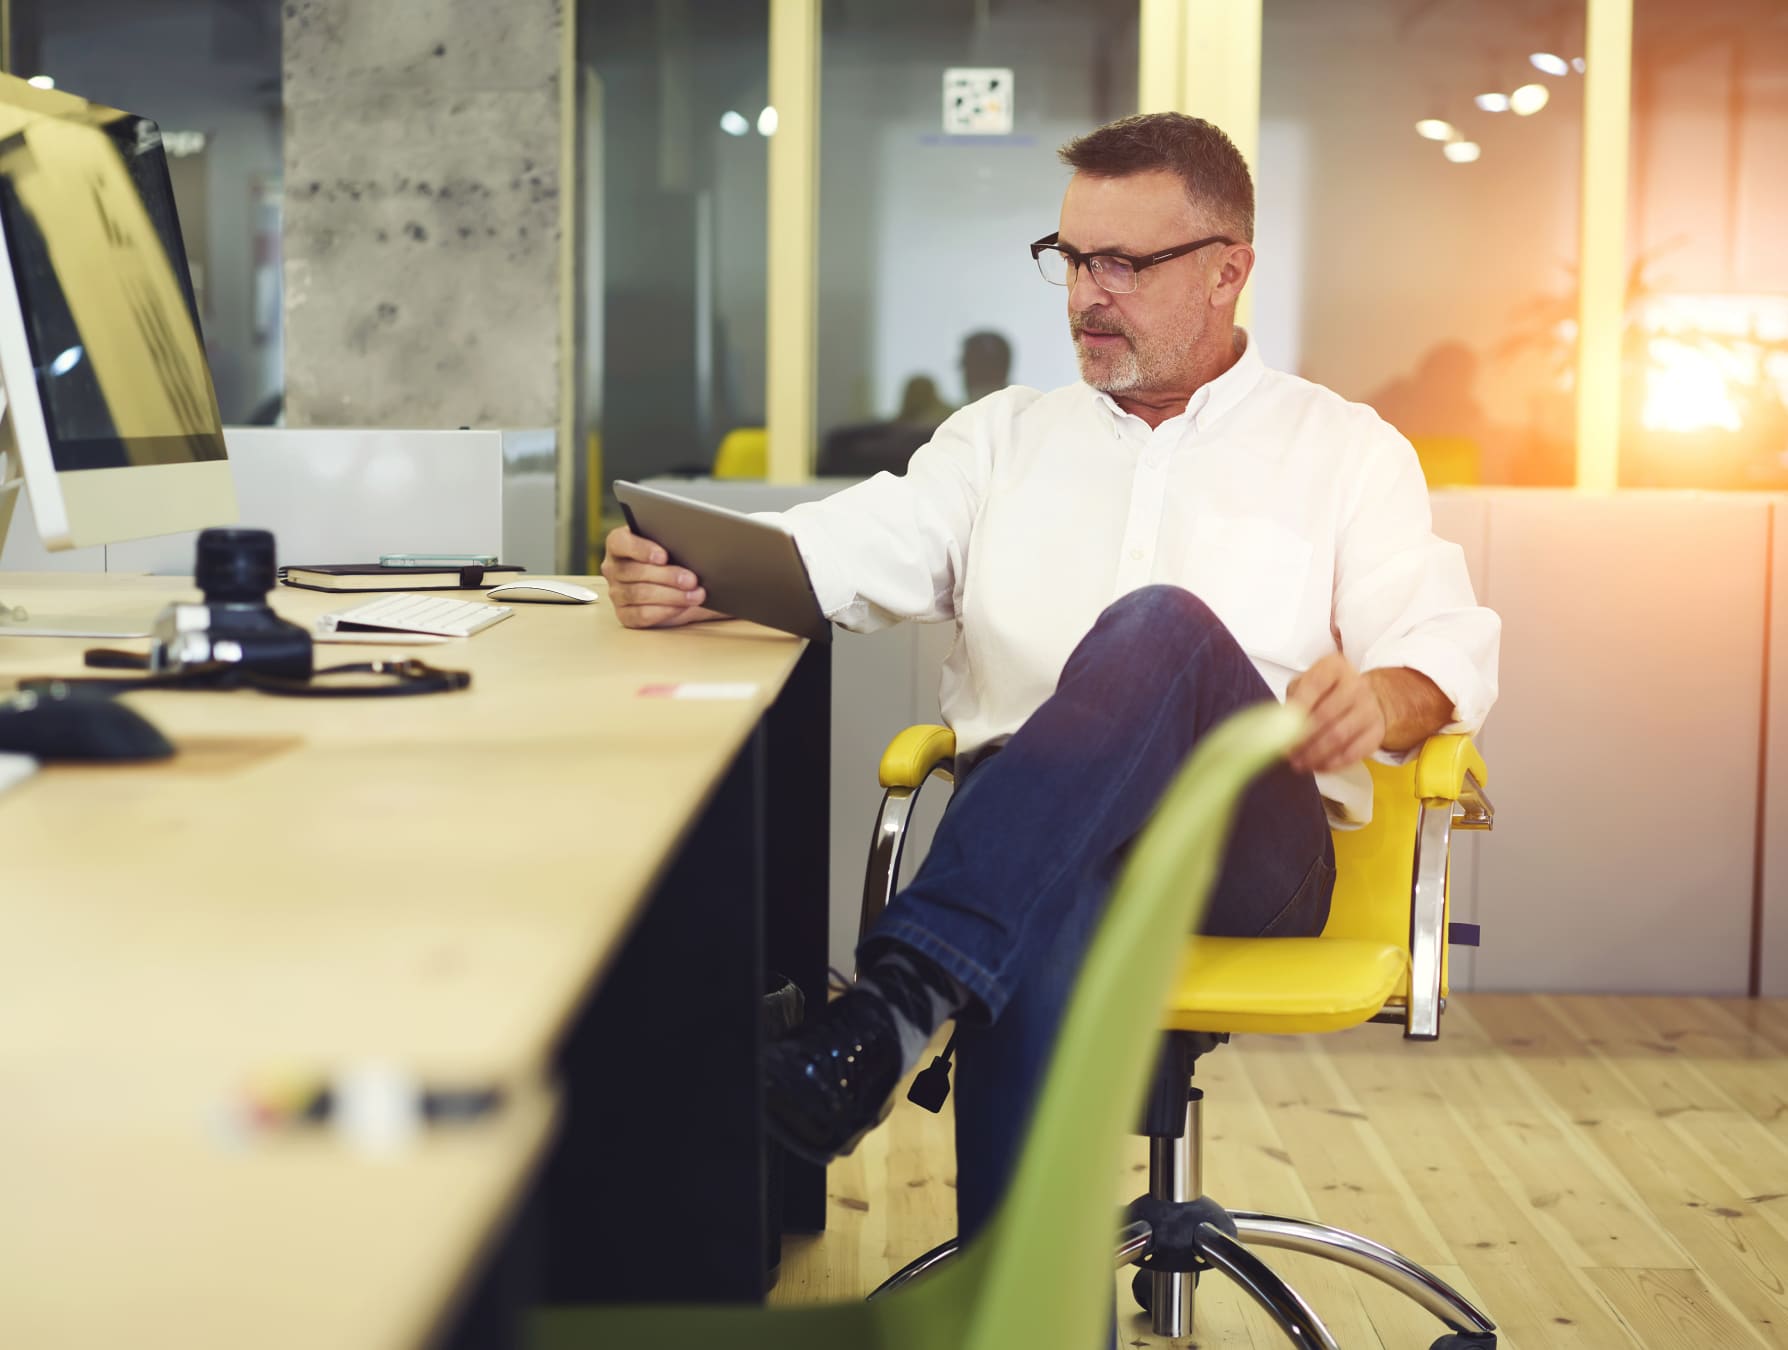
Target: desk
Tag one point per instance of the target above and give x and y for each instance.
(441, 881)
(125, 1225)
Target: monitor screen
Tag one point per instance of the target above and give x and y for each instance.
(92, 421)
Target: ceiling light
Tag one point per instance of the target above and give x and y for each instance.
(1529, 99)
(1549, 64)
(1461, 152)
(766, 122)
(1436, 129)
(1578, 65)
(41, 82)
(1492, 103)
(734, 124)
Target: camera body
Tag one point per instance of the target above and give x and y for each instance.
(234, 625)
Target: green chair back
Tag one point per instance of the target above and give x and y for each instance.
(1040, 1275)
(1043, 1269)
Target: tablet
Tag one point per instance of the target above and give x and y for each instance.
(750, 568)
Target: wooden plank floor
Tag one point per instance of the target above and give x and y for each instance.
(1597, 1173)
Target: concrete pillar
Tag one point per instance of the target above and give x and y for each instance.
(422, 212)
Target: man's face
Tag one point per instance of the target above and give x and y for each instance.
(1143, 341)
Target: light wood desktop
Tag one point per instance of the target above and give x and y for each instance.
(128, 1222)
(435, 878)
(437, 881)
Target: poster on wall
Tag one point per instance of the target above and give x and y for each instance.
(978, 101)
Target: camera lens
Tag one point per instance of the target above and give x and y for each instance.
(235, 566)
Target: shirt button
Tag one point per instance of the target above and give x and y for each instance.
(1135, 555)
(1154, 461)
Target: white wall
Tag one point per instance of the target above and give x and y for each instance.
(946, 273)
(922, 237)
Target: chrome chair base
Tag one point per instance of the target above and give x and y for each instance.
(1466, 1326)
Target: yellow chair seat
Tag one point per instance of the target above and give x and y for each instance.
(1283, 985)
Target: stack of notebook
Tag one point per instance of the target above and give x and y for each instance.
(379, 577)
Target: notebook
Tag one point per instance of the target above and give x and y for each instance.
(378, 577)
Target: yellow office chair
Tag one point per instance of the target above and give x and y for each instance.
(1381, 958)
(1449, 461)
(744, 453)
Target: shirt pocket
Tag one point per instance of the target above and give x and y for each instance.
(1254, 573)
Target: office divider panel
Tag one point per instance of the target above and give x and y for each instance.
(1774, 937)
(1624, 748)
(1463, 518)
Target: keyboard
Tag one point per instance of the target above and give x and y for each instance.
(406, 613)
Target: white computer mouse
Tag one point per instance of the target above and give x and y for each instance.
(542, 589)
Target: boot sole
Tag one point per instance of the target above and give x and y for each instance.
(818, 1156)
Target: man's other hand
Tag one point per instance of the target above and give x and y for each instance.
(1347, 719)
(646, 591)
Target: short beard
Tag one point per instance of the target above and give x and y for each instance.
(1125, 370)
(1124, 374)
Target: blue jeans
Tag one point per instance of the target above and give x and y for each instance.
(1017, 876)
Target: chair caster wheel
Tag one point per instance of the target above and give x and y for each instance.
(1466, 1340)
(1142, 1289)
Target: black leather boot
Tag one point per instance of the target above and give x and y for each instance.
(832, 1081)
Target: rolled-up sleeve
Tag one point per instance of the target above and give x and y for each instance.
(893, 546)
(1403, 597)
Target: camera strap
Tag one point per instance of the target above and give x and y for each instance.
(394, 679)
(403, 678)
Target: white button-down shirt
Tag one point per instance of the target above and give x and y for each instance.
(1301, 519)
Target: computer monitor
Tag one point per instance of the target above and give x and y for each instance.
(110, 418)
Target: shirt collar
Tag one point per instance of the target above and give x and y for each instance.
(1213, 398)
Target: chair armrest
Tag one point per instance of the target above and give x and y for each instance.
(1442, 766)
(913, 755)
(911, 758)
(1450, 769)
(1449, 779)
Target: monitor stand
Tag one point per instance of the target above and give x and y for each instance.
(15, 620)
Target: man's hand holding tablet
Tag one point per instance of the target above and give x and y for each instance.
(646, 588)
(675, 554)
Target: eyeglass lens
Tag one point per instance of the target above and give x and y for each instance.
(1114, 274)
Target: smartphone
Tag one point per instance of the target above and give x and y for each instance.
(437, 560)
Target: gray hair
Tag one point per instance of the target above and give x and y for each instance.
(1205, 160)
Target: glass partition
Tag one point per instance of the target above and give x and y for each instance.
(1705, 356)
(674, 126)
(1418, 222)
(938, 134)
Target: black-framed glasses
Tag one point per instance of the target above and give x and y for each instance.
(1115, 272)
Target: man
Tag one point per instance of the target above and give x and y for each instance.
(1127, 561)
(986, 363)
